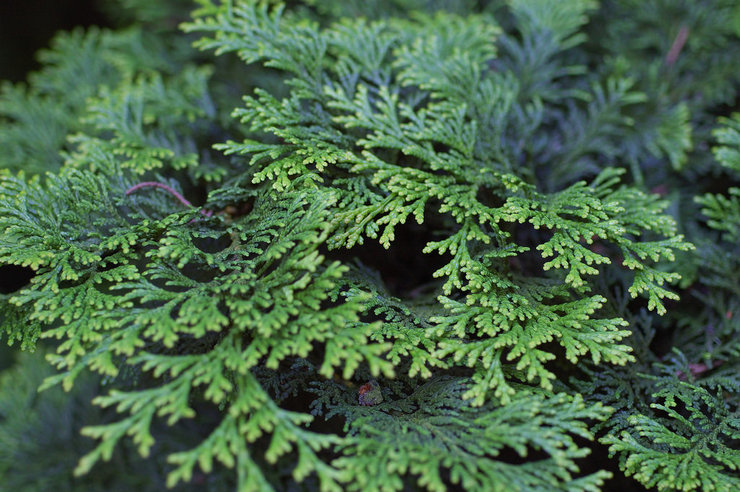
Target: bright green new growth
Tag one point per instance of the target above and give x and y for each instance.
(397, 125)
(257, 314)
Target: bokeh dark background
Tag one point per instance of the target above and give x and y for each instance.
(28, 25)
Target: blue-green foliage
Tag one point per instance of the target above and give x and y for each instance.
(676, 423)
(256, 315)
(40, 435)
(37, 118)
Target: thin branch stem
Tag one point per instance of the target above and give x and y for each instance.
(677, 46)
(170, 190)
(154, 184)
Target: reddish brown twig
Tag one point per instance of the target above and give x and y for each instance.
(154, 184)
(169, 189)
(698, 368)
(677, 46)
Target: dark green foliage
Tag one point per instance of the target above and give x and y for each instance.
(37, 118)
(421, 253)
(40, 435)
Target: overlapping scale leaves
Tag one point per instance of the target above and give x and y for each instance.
(392, 117)
(252, 312)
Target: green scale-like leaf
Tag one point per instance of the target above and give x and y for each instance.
(380, 272)
(385, 128)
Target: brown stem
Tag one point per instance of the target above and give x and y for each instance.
(170, 190)
(154, 184)
(677, 46)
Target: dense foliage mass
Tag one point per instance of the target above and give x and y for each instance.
(376, 245)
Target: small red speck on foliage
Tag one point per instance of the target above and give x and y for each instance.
(661, 190)
(369, 394)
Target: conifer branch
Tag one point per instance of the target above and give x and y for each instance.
(432, 260)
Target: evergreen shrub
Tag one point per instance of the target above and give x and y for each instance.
(375, 245)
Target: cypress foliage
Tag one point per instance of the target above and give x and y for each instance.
(376, 245)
